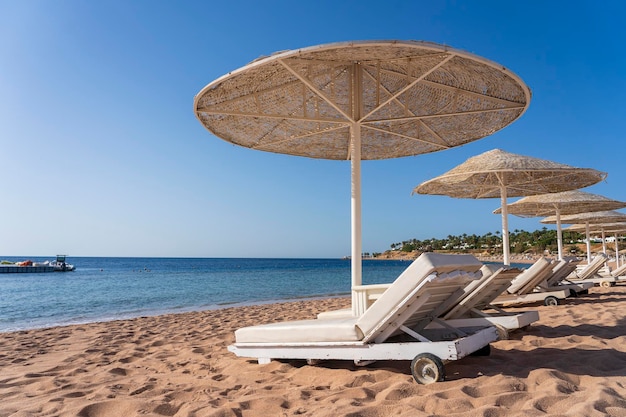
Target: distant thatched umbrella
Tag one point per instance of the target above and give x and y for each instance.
(502, 174)
(603, 228)
(595, 217)
(563, 203)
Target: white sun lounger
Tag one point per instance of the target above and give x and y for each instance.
(590, 273)
(467, 309)
(393, 328)
(619, 273)
(525, 287)
(471, 309)
(557, 279)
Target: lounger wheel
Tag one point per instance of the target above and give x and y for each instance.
(551, 301)
(427, 369)
(605, 284)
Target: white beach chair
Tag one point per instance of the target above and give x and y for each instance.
(590, 273)
(557, 279)
(393, 328)
(473, 306)
(525, 288)
(619, 273)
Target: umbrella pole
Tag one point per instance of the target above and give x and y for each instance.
(604, 248)
(588, 243)
(616, 252)
(358, 305)
(559, 234)
(505, 226)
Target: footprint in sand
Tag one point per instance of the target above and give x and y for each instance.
(142, 390)
(76, 394)
(119, 371)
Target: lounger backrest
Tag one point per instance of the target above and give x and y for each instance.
(525, 282)
(619, 271)
(590, 270)
(487, 271)
(484, 294)
(425, 286)
(560, 272)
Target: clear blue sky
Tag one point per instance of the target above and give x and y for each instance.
(102, 154)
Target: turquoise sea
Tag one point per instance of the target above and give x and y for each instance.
(103, 289)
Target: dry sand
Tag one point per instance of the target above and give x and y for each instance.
(570, 363)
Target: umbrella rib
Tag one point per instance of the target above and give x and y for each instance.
(314, 89)
(456, 89)
(434, 116)
(446, 146)
(409, 86)
(472, 93)
(532, 181)
(207, 109)
(211, 110)
(272, 116)
(393, 98)
(435, 134)
(298, 137)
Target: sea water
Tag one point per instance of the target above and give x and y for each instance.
(103, 289)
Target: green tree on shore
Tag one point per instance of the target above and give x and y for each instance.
(520, 240)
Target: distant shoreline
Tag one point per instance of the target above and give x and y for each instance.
(410, 256)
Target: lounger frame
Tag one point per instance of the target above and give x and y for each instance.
(447, 350)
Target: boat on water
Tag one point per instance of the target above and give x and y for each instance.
(60, 264)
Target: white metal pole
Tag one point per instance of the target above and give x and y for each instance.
(616, 252)
(358, 305)
(603, 242)
(559, 234)
(588, 243)
(356, 205)
(505, 226)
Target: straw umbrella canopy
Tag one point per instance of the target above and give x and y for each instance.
(603, 228)
(563, 203)
(502, 174)
(362, 101)
(595, 217)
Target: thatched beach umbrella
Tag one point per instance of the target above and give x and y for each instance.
(595, 217)
(603, 228)
(362, 100)
(563, 203)
(500, 174)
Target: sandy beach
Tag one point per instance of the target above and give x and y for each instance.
(570, 363)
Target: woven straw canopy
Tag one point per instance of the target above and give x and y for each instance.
(597, 228)
(595, 217)
(601, 221)
(616, 228)
(502, 174)
(407, 97)
(483, 176)
(566, 202)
